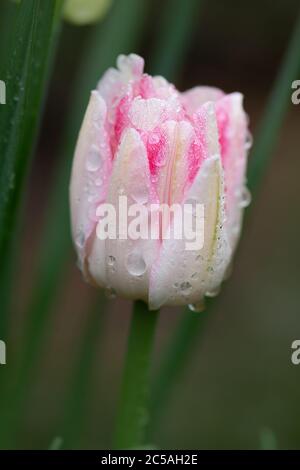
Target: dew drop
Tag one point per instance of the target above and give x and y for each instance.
(80, 239)
(194, 276)
(249, 141)
(214, 292)
(135, 264)
(94, 161)
(111, 260)
(245, 197)
(153, 138)
(197, 307)
(186, 288)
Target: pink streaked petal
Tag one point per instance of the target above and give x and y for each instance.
(172, 163)
(90, 172)
(206, 141)
(194, 98)
(232, 124)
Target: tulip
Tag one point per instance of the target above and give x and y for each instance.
(143, 139)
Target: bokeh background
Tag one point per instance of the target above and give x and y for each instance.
(238, 388)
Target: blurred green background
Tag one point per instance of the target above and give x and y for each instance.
(238, 388)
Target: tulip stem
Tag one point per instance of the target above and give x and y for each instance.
(133, 412)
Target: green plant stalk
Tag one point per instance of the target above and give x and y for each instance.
(134, 414)
(26, 77)
(191, 326)
(119, 34)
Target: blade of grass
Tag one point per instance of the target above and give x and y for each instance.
(133, 414)
(119, 34)
(25, 77)
(191, 326)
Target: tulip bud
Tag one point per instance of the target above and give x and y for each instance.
(146, 151)
(83, 12)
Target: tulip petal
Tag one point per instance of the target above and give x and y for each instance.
(127, 260)
(181, 275)
(173, 166)
(232, 124)
(90, 172)
(114, 82)
(194, 98)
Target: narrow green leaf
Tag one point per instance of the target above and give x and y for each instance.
(25, 78)
(191, 327)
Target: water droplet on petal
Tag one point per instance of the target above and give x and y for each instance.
(94, 160)
(249, 141)
(194, 276)
(111, 260)
(214, 292)
(186, 288)
(135, 264)
(80, 239)
(153, 138)
(245, 197)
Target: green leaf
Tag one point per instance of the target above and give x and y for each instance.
(25, 79)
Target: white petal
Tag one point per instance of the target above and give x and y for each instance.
(194, 98)
(90, 172)
(129, 275)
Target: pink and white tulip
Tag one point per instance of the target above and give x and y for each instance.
(144, 139)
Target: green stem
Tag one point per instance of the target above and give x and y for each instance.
(133, 415)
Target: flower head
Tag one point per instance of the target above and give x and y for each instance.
(145, 142)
